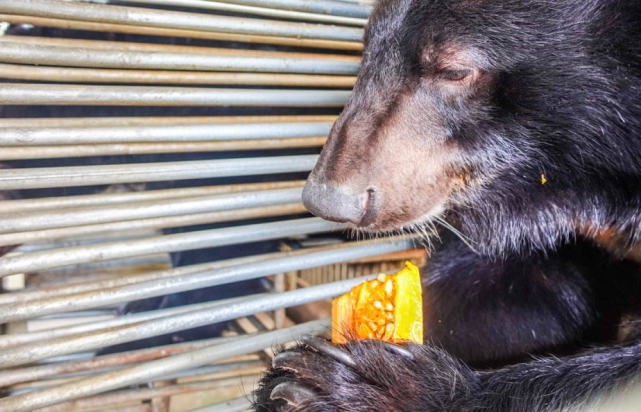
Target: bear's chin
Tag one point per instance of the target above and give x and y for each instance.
(424, 225)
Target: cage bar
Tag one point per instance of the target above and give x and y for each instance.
(167, 133)
(30, 178)
(54, 94)
(176, 20)
(149, 370)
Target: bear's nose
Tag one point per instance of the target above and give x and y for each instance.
(339, 203)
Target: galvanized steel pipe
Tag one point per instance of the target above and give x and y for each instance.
(55, 94)
(8, 341)
(83, 150)
(195, 34)
(129, 46)
(103, 199)
(177, 20)
(149, 370)
(23, 136)
(32, 352)
(35, 372)
(240, 404)
(180, 283)
(15, 52)
(38, 236)
(34, 294)
(340, 8)
(101, 252)
(139, 210)
(91, 75)
(114, 401)
(30, 178)
(260, 11)
(120, 121)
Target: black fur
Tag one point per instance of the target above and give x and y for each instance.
(546, 131)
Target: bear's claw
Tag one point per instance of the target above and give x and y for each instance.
(325, 347)
(293, 393)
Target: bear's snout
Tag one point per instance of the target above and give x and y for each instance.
(339, 203)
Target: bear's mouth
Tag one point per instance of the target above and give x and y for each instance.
(384, 220)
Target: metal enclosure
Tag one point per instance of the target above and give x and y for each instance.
(134, 131)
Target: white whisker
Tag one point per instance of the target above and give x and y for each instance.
(456, 232)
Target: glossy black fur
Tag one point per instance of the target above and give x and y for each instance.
(490, 313)
(561, 100)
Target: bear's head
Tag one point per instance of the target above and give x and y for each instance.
(516, 120)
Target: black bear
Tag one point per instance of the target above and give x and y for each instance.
(517, 125)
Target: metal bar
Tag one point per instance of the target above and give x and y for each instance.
(245, 364)
(101, 252)
(129, 46)
(8, 341)
(43, 94)
(37, 372)
(149, 370)
(180, 283)
(24, 136)
(119, 121)
(103, 199)
(67, 42)
(125, 397)
(313, 6)
(130, 279)
(30, 178)
(18, 238)
(248, 363)
(240, 404)
(156, 31)
(18, 52)
(226, 310)
(89, 75)
(91, 340)
(67, 151)
(239, 364)
(177, 20)
(260, 11)
(147, 209)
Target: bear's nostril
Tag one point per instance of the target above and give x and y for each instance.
(369, 207)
